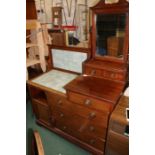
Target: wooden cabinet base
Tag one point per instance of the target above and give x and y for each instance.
(80, 115)
(72, 139)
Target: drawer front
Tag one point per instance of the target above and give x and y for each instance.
(113, 75)
(90, 102)
(96, 130)
(62, 121)
(79, 127)
(93, 141)
(85, 126)
(57, 101)
(80, 124)
(42, 112)
(91, 115)
(93, 71)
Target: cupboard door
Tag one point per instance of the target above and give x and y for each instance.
(42, 112)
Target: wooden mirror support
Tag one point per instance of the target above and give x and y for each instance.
(109, 41)
(107, 15)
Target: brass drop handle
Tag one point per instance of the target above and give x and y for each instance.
(91, 128)
(112, 75)
(93, 72)
(61, 115)
(87, 102)
(92, 141)
(53, 121)
(64, 127)
(92, 115)
(59, 102)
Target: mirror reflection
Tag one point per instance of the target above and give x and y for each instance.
(110, 33)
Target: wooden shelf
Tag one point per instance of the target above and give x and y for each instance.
(30, 62)
(28, 45)
(40, 98)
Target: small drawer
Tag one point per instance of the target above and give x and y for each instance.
(81, 125)
(96, 130)
(61, 118)
(57, 101)
(90, 102)
(63, 105)
(94, 141)
(92, 71)
(61, 115)
(97, 143)
(112, 75)
(64, 126)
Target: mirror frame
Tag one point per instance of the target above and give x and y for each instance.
(116, 8)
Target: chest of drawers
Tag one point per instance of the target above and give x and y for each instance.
(78, 110)
(94, 99)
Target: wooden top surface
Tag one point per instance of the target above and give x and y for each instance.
(102, 89)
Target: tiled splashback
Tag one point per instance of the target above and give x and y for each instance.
(68, 60)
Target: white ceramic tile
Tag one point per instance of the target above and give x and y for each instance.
(55, 79)
(68, 60)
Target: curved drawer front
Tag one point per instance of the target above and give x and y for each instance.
(90, 102)
(113, 75)
(93, 71)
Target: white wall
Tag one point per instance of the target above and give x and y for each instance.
(47, 5)
(92, 2)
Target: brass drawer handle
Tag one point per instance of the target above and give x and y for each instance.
(61, 115)
(92, 141)
(92, 115)
(91, 128)
(87, 102)
(59, 102)
(112, 75)
(93, 72)
(53, 121)
(64, 127)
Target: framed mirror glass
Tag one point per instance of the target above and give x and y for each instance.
(110, 35)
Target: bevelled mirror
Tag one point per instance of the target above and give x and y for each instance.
(110, 31)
